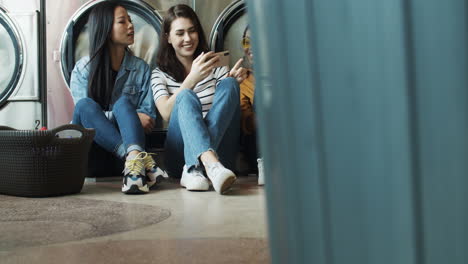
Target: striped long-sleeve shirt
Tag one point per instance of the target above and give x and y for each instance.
(164, 85)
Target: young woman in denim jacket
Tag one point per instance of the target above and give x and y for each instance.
(111, 91)
(200, 101)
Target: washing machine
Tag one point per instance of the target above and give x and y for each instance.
(228, 30)
(21, 96)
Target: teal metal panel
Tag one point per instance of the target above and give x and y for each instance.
(440, 42)
(364, 86)
(278, 77)
(363, 114)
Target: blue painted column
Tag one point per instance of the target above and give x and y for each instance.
(363, 114)
(439, 44)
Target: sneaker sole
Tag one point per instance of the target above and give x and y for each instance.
(135, 189)
(198, 188)
(159, 176)
(158, 179)
(227, 184)
(158, 173)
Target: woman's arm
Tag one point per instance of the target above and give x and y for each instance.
(201, 68)
(146, 110)
(145, 102)
(79, 80)
(166, 103)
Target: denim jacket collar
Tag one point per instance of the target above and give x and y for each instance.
(128, 64)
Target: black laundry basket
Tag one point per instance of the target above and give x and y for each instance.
(44, 163)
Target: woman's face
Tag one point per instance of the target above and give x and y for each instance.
(122, 29)
(247, 48)
(183, 37)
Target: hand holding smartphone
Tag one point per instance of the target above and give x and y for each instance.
(223, 58)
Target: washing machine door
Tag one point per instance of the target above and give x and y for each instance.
(11, 57)
(228, 31)
(75, 40)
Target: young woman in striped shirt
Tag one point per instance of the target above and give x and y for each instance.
(200, 102)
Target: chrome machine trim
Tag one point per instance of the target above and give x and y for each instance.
(18, 43)
(224, 21)
(140, 7)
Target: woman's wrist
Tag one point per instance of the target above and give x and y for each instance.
(190, 82)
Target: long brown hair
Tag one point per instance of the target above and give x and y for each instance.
(166, 59)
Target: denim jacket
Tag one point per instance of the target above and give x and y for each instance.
(133, 79)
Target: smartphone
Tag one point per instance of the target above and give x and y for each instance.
(223, 58)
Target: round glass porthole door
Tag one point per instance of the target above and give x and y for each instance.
(228, 31)
(11, 56)
(147, 23)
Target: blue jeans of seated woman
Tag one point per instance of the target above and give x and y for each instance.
(120, 135)
(189, 134)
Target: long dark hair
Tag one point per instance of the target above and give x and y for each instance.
(166, 59)
(100, 83)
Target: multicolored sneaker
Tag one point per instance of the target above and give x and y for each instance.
(135, 181)
(154, 174)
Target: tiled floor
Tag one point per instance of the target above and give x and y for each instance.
(191, 227)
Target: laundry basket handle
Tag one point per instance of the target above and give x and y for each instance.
(84, 132)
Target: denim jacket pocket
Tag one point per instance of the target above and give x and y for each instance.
(133, 93)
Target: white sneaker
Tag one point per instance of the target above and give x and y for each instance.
(194, 180)
(261, 176)
(221, 178)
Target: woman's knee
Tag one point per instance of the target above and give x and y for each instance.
(123, 101)
(229, 85)
(187, 96)
(87, 105)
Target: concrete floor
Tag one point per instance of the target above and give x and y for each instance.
(199, 227)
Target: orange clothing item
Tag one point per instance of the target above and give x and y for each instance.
(247, 88)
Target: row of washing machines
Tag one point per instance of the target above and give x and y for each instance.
(40, 41)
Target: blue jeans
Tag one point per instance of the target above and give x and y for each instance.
(189, 134)
(120, 135)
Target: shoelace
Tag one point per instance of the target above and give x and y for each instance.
(147, 160)
(134, 166)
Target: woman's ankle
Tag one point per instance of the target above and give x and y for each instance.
(132, 154)
(208, 157)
